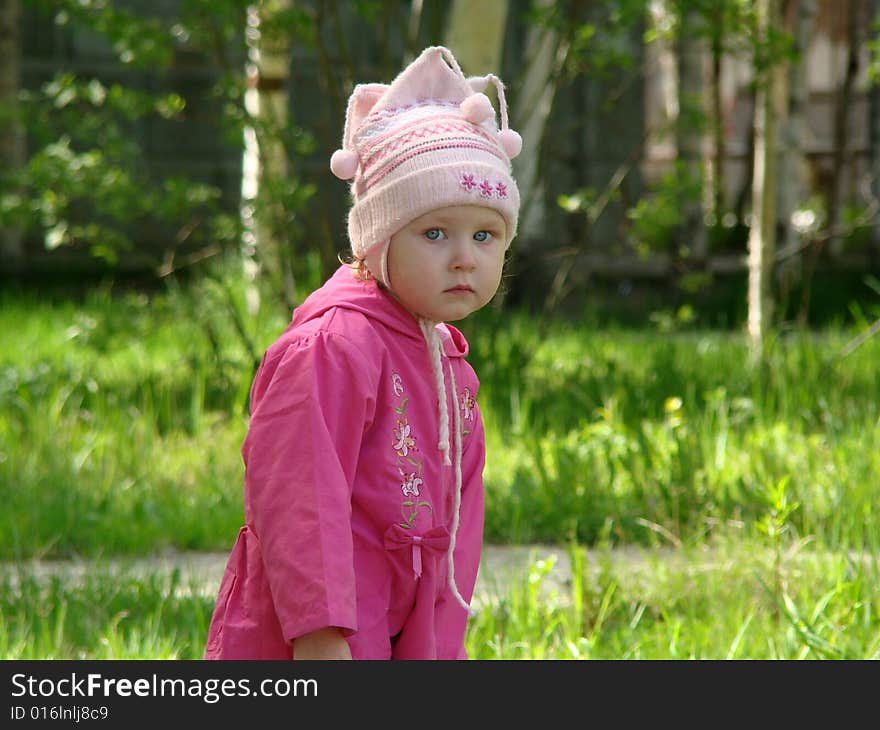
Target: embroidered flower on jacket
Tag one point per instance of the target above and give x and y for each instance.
(468, 403)
(411, 484)
(397, 384)
(404, 441)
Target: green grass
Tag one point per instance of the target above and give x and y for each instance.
(730, 601)
(106, 615)
(122, 417)
(120, 427)
(677, 431)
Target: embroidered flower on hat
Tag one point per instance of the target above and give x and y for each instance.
(485, 187)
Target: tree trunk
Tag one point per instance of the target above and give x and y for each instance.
(691, 54)
(874, 151)
(843, 102)
(12, 140)
(794, 178)
(531, 110)
(715, 168)
(744, 194)
(762, 231)
(475, 35)
(265, 158)
(794, 174)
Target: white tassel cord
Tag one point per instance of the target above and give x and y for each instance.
(457, 505)
(435, 349)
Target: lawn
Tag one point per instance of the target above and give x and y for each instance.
(749, 489)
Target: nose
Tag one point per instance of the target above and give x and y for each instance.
(463, 258)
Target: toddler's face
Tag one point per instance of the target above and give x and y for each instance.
(447, 263)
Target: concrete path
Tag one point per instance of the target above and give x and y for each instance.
(502, 566)
(201, 572)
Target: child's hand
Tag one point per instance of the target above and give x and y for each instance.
(321, 644)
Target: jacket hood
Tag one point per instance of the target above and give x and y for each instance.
(344, 290)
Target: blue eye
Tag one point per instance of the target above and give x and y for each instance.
(433, 234)
(482, 236)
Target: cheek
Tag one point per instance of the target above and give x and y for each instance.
(496, 265)
(397, 262)
(405, 271)
(492, 279)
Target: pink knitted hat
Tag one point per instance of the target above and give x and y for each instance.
(428, 140)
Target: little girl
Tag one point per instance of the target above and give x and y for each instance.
(363, 491)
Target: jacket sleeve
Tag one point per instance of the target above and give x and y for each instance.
(468, 544)
(312, 405)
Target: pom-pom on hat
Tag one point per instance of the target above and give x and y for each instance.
(428, 140)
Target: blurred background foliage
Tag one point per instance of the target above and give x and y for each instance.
(144, 140)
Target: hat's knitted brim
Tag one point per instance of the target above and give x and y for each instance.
(386, 209)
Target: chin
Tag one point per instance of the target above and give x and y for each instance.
(458, 316)
(449, 312)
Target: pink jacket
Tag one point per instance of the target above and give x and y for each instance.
(348, 505)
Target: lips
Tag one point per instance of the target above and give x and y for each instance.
(461, 288)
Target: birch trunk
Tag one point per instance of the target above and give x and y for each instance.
(475, 35)
(264, 156)
(661, 88)
(761, 242)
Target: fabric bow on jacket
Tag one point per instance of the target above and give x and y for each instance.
(435, 540)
